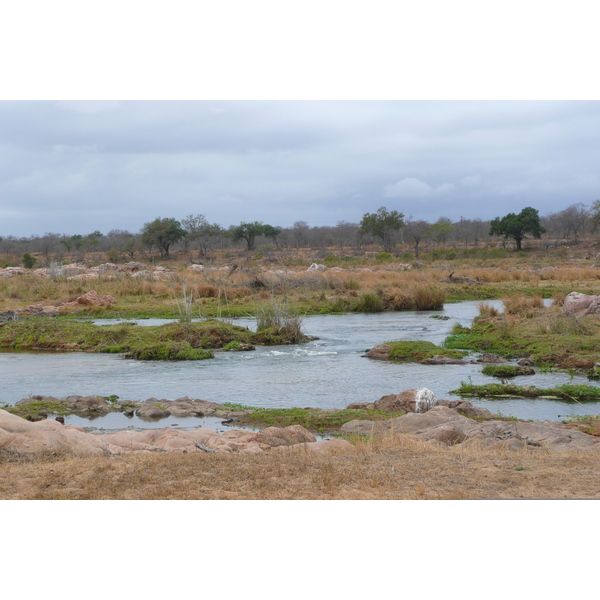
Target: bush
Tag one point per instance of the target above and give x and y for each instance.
(28, 260)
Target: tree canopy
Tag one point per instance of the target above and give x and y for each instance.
(382, 225)
(518, 226)
(162, 234)
(250, 231)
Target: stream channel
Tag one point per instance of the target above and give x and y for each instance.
(330, 372)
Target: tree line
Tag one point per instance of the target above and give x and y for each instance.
(386, 228)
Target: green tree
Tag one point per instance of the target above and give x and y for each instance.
(517, 227)
(382, 225)
(28, 260)
(162, 234)
(271, 232)
(248, 232)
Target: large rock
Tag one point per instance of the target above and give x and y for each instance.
(578, 305)
(415, 400)
(181, 407)
(284, 436)
(445, 425)
(489, 358)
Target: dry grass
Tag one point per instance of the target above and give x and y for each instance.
(387, 467)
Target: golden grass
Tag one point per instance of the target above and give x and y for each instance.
(382, 467)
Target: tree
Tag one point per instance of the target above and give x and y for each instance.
(595, 214)
(441, 230)
(162, 234)
(28, 260)
(271, 232)
(201, 234)
(518, 226)
(382, 225)
(247, 232)
(417, 231)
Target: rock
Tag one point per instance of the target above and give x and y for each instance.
(488, 357)
(361, 406)
(465, 408)
(442, 359)
(578, 305)
(153, 409)
(525, 362)
(284, 436)
(317, 267)
(381, 352)
(91, 298)
(415, 400)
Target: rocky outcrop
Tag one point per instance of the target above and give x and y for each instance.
(442, 359)
(79, 405)
(415, 400)
(90, 298)
(446, 426)
(579, 305)
(181, 407)
(48, 436)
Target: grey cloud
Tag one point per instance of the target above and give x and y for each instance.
(76, 167)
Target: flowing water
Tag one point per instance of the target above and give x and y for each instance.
(330, 372)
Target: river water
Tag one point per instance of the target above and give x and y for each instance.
(330, 372)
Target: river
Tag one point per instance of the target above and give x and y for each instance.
(330, 372)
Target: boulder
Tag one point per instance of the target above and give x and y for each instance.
(415, 400)
(489, 358)
(442, 359)
(284, 436)
(465, 408)
(578, 305)
(381, 352)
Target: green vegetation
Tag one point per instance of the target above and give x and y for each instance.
(518, 226)
(551, 339)
(575, 393)
(313, 419)
(173, 341)
(417, 351)
(506, 371)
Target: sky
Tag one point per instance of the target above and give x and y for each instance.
(77, 166)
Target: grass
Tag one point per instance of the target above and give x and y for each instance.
(575, 393)
(172, 341)
(381, 467)
(313, 419)
(551, 339)
(416, 351)
(506, 371)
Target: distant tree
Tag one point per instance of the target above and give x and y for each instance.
(441, 230)
(247, 232)
(595, 214)
(416, 232)
(518, 226)
(272, 233)
(382, 225)
(201, 234)
(162, 234)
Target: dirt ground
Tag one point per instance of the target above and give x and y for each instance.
(383, 468)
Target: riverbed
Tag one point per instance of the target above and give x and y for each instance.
(330, 372)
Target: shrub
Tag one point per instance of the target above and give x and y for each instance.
(506, 371)
(28, 260)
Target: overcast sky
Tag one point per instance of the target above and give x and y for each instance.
(74, 167)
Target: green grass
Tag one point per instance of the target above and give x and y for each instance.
(506, 371)
(313, 419)
(173, 341)
(416, 351)
(575, 393)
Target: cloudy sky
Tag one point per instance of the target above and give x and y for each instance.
(73, 167)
